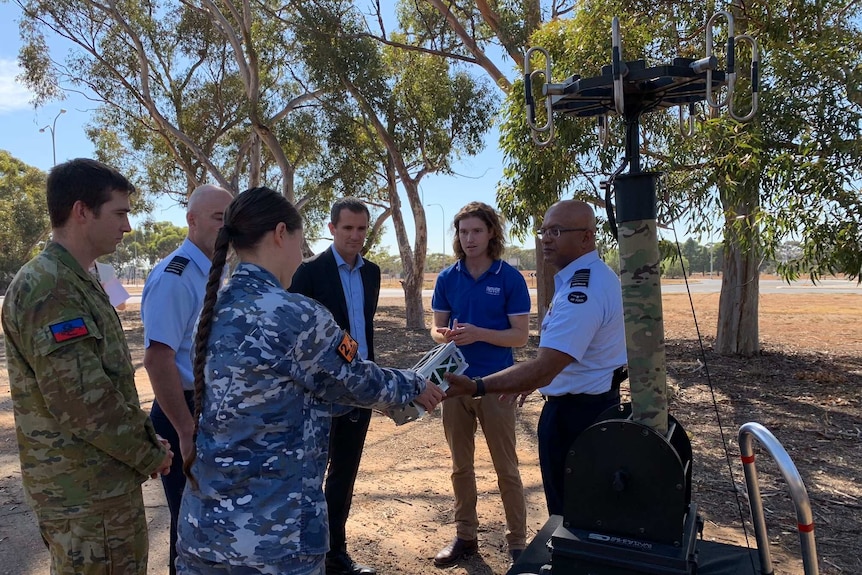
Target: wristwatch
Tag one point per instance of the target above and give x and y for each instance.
(480, 387)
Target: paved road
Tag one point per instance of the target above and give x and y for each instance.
(772, 286)
(701, 286)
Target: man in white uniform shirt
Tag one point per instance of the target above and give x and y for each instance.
(582, 349)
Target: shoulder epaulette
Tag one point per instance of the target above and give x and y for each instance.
(580, 279)
(177, 266)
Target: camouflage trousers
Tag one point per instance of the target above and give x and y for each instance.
(106, 538)
(188, 564)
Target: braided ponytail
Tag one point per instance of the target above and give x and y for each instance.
(249, 216)
(202, 338)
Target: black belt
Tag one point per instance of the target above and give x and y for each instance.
(585, 397)
(620, 375)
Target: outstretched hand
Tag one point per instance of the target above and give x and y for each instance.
(459, 385)
(431, 397)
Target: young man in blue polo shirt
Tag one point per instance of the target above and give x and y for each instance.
(482, 304)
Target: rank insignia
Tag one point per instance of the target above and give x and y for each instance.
(580, 279)
(177, 266)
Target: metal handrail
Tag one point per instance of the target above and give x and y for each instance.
(804, 518)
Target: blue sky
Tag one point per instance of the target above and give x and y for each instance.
(476, 180)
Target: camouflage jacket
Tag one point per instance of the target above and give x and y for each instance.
(82, 435)
(276, 361)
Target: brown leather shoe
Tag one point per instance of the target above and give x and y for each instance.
(456, 550)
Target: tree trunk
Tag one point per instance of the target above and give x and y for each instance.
(544, 284)
(738, 331)
(413, 306)
(412, 260)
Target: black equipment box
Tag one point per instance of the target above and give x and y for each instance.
(580, 552)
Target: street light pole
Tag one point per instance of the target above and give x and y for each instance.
(710, 246)
(443, 215)
(53, 129)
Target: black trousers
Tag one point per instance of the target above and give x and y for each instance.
(174, 482)
(562, 420)
(346, 440)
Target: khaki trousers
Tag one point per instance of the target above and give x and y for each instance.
(497, 419)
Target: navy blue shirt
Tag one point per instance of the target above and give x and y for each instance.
(485, 302)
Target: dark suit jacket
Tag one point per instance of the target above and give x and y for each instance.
(317, 277)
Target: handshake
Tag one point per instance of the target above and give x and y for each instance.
(442, 359)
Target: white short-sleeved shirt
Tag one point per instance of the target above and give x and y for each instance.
(585, 321)
(171, 303)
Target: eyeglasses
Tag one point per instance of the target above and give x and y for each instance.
(557, 232)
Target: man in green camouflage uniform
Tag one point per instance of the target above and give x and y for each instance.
(84, 443)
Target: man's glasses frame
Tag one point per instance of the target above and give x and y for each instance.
(557, 232)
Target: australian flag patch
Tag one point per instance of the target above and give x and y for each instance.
(177, 265)
(580, 279)
(72, 329)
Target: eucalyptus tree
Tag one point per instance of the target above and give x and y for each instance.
(421, 112)
(23, 217)
(189, 91)
(792, 172)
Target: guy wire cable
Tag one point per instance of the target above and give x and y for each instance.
(714, 401)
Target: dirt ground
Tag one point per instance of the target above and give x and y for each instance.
(804, 387)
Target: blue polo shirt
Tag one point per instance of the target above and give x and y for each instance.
(485, 302)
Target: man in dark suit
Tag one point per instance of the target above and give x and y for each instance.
(349, 287)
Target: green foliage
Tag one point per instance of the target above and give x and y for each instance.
(790, 173)
(390, 264)
(612, 258)
(146, 246)
(188, 93)
(525, 257)
(23, 215)
(438, 262)
(673, 267)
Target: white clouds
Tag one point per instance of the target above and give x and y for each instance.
(13, 95)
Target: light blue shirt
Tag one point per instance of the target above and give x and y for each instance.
(354, 296)
(171, 303)
(585, 321)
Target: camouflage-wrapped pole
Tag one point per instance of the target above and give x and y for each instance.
(640, 276)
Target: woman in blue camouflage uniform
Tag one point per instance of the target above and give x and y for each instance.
(268, 366)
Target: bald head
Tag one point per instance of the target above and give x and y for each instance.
(205, 194)
(574, 213)
(205, 215)
(577, 224)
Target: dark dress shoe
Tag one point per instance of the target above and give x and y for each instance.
(453, 552)
(515, 554)
(340, 563)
